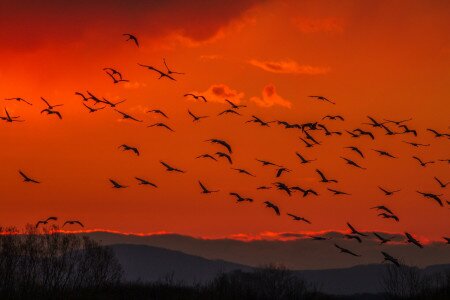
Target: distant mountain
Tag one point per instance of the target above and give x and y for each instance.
(147, 263)
(300, 254)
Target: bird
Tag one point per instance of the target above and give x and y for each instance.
(335, 117)
(73, 222)
(131, 37)
(281, 170)
(9, 118)
(117, 185)
(113, 72)
(221, 154)
(352, 134)
(319, 238)
(441, 184)
(239, 198)
(221, 142)
(447, 239)
(125, 147)
(115, 80)
(364, 132)
(344, 250)
(412, 240)
(384, 153)
(49, 106)
(416, 144)
(389, 216)
(352, 163)
(169, 71)
(207, 156)
(273, 206)
(354, 231)
(438, 134)
(161, 73)
(233, 105)
(157, 111)
(407, 130)
(92, 109)
(432, 196)
(445, 160)
(311, 138)
(382, 207)
(353, 236)
(305, 192)
(27, 178)
(297, 218)
(229, 111)
(303, 160)
(283, 187)
(387, 192)
(423, 163)
(18, 99)
(323, 178)
(388, 130)
(242, 171)
(112, 104)
(388, 257)
(322, 98)
(336, 192)
(356, 149)
(196, 118)
(263, 187)
(170, 168)
(267, 163)
(327, 132)
(397, 122)
(205, 190)
(307, 144)
(94, 98)
(196, 97)
(382, 239)
(145, 182)
(256, 119)
(127, 116)
(52, 112)
(374, 123)
(161, 125)
(45, 222)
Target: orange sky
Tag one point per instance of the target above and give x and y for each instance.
(384, 59)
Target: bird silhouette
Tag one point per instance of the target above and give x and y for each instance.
(388, 257)
(307, 144)
(423, 163)
(344, 250)
(303, 160)
(305, 192)
(382, 239)
(273, 206)
(256, 119)
(221, 142)
(117, 185)
(323, 178)
(127, 116)
(45, 222)
(116, 80)
(169, 71)
(438, 134)
(92, 109)
(387, 192)
(233, 105)
(8, 118)
(445, 160)
(353, 237)
(161, 73)
(389, 216)
(112, 104)
(73, 222)
(196, 97)
(283, 187)
(145, 182)
(382, 207)
(221, 154)
(196, 118)
(163, 125)
(267, 163)
(374, 123)
(335, 117)
(364, 132)
(441, 184)
(447, 239)
(131, 37)
(355, 149)
(125, 147)
(352, 134)
(352, 163)
(49, 111)
(239, 198)
(27, 178)
(322, 98)
(94, 98)
(170, 168)
(319, 238)
(281, 170)
(337, 193)
(407, 130)
(18, 99)
(243, 171)
(432, 196)
(398, 123)
(354, 231)
(49, 106)
(207, 156)
(228, 112)
(297, 218)
(384, 153)
(388, 130)
(416, 144)
(328, 132)
(412, 240)
(205, 190)
(263, 187)
(157, 111)
(113, 72)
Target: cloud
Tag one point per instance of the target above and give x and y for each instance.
(288, 67)
(219, 92)
(314, 25)
(270, 98)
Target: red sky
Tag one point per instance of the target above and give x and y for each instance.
(383, 59)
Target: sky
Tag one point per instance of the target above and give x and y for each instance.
(373, 58)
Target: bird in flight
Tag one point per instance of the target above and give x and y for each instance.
(374, 123)
(117, 185)
(131, 37)
(169, 71)
(398, 123)
(112, 104)
(438, 134)
(221, 154)
(353, 237)
(161, 73)
(18, 99)
(323, 178)
(229, 111)
(125, 147)
(49, 106)
(127, 116)
(92, 109)
(344, 250)
(283, 187)
(207, 156)
(355, 149)
(335, 117)
(233, 105)
(307, 144)
(273, 206)
(196, 97)
(220, 142)
(116, 80)
(384, 153)
(158, 111)
(388, 257)
(364, 132)
(447, 239)
(9, 118)
(352, 163)
(27, 178)
(322, 98)
(305, 192)
(145, 182)
(337, 193)
(303, 160)
(49, 111)
(441, 184)
(382, 207)
(255, 119)
(45, 222)
(432, 196)
(281, 170)
(267, 163)
(354, 231)
(423, 163)
(205, 190)
(297, 218)
(170, 168)
(94, 98)
(243, 171)
(412, 240)
(319, 238)
(407, 130)
(389, 216)
(382, 239)
(73, 222)
(161, 125)
(416, 144)
(196, 118)
(239, 198)
(387, 192)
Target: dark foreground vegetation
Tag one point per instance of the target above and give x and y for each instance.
(53, 265)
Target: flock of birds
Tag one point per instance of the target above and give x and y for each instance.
(305, 129)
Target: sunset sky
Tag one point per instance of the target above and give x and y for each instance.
(386, 59)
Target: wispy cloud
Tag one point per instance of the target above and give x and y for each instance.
(288, 67)
(313, 25)
(270, 98)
